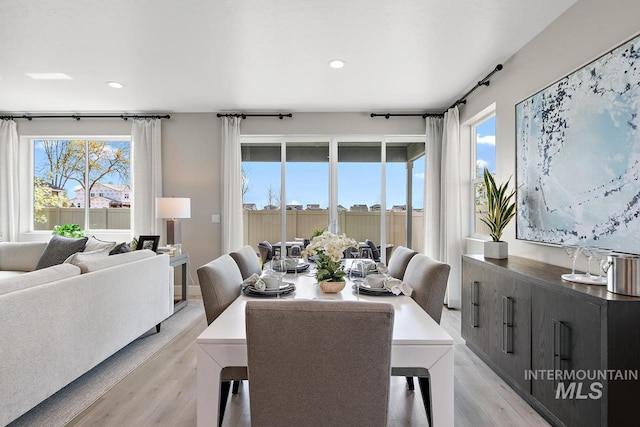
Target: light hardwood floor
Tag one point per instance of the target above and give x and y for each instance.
(162, 392)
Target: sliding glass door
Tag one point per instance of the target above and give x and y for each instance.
(368, 188)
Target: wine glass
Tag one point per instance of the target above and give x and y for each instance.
(384, 270)
(601, 255)
(295, 253)
(279, 267)
(358, 274)
(589, 252)
(573, 251)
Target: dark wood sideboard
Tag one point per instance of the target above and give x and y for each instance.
(527, 324)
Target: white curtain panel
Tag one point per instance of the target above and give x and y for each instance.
(451, 243)
(231, 185)
(9, 202)
(147, 175)
(432, 160)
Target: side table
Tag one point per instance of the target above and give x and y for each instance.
(177, 261)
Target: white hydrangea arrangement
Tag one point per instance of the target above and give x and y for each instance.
(328, 249)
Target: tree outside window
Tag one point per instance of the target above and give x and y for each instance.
(65, 170)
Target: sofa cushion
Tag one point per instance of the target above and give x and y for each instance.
(94, 244)
(120, 248)
(83, 257)
(20, 256)
(59, 249)
(110, 261)
(38, 277)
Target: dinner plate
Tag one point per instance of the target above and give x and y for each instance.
(301, 267)
(365, 290)
(285, 289)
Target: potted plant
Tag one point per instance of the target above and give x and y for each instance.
(68, 230)
(501, 208)
(327, 249)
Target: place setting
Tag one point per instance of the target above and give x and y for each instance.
(267, 286)
(376, 284)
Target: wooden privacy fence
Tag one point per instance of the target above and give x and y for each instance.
(99, 218)
(265, 225)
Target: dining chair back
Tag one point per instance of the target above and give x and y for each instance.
(221, 283)
(375, 252)
(247, 260)
(428, 279)
(266, 251)
(399, 260)
(319, 363)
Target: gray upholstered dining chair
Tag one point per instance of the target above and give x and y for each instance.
(399, 260)
(266, 251)
(221, 283)
(428, 279)
(247, 260)
(319, 363)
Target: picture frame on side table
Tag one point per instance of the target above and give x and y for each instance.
(148, 242)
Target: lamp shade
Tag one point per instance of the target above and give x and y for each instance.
(173, 207)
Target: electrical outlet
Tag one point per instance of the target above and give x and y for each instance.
(215, 218)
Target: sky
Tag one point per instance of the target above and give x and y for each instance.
(358, 183)
(486, 144)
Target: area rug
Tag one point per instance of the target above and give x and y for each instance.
(66, 404)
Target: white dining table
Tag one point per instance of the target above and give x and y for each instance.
(418, 342)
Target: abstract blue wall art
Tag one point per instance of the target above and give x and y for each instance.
(578, 156)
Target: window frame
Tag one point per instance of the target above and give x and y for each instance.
(26, 156)
(473, 123)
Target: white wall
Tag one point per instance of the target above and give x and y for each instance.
(584, 32)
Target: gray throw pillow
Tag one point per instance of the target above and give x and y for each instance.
(59, 249)
(120, 249)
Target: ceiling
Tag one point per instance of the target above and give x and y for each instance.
(257, 56)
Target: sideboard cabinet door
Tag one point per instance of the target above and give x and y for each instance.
(566, 340)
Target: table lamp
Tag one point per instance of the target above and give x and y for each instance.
(173, 208)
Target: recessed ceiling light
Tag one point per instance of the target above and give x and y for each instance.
(115, 85)
(336, 63)
(49, 76)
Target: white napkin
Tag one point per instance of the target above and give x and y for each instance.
(397, 287)
(256, 281)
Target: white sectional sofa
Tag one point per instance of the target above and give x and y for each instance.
(59, 322)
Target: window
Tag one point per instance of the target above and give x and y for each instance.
(483, 135)
(62, 171)
(333, 183)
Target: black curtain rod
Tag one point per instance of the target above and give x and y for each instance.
(244, 116)
(463, 100)
(483, 82)
(78, 117)
(423, 115)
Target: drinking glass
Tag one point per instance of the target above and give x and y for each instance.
(295, 253)
(573, 251)
(279, 267)
(601, 255)
(358, 274)
(384, 270)
(589, 252)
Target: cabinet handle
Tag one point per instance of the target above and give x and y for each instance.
(560, 345)
(507, 324)
(474, 304)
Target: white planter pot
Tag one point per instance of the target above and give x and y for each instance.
(497, 250)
